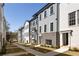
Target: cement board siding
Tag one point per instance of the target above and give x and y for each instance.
(65, 9)
(49, 36)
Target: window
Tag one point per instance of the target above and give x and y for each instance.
(78, 16)
(36, 21)
(33, 23)
(72, 18)
(51, 26)
(49, 42)
(51, 10)
(45, 28)
(40, 29)
(40, 17)
(45, 14)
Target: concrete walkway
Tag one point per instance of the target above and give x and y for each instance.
(37, 53)
(58, 51)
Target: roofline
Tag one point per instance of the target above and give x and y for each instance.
(33, 18)
(26, 21)
(43, 8)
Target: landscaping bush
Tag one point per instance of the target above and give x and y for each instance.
(74, 49)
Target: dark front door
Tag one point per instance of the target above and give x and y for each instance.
(65, 38)
(40, 39)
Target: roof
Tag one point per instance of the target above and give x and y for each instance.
(33, 19)
(42, 9)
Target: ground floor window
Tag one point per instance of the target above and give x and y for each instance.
(49, 42)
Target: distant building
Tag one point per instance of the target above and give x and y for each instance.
(56, 25)
(34, 30)
(20, 35)
(25, 32)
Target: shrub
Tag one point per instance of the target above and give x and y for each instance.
(74, 49)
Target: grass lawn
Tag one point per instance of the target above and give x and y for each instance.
(14, 50)
(10, 48)
(41, 49)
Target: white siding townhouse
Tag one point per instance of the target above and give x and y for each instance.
(69, 25)
(19, 35)
(2, 30)
(23, 33)
(46, 25)
(58, 25)
(33, 30)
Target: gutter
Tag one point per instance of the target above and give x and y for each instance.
(57, 33)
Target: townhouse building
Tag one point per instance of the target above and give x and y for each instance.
(20, 35)
(68, 25)
(2, 30)
(33, 30)
(58, 25)
(25, 32)
(47, 24)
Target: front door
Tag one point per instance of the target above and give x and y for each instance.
(65, 38)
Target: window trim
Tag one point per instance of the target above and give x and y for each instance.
(72, 18)
(51, 26)
(51, 8)
(40, 29)
(40, 17)
(45, 14)
(45, 28)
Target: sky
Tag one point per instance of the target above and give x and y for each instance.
(17, 13)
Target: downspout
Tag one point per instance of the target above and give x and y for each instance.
(57, 33)
(37, 29)
(29, 31)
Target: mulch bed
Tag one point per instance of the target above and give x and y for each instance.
(41, 49)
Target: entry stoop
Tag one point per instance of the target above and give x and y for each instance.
(62, 49)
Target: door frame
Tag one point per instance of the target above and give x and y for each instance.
(65, 38)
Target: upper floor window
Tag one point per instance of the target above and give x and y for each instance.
(72, 20)
(33, 23)
(78, 16)
(45, 14)
(51, 10)
(36, 21)
(40, 16)
(40, 29)
(45, 28)
(51, 26)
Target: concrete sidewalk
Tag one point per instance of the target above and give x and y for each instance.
(37, 53)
